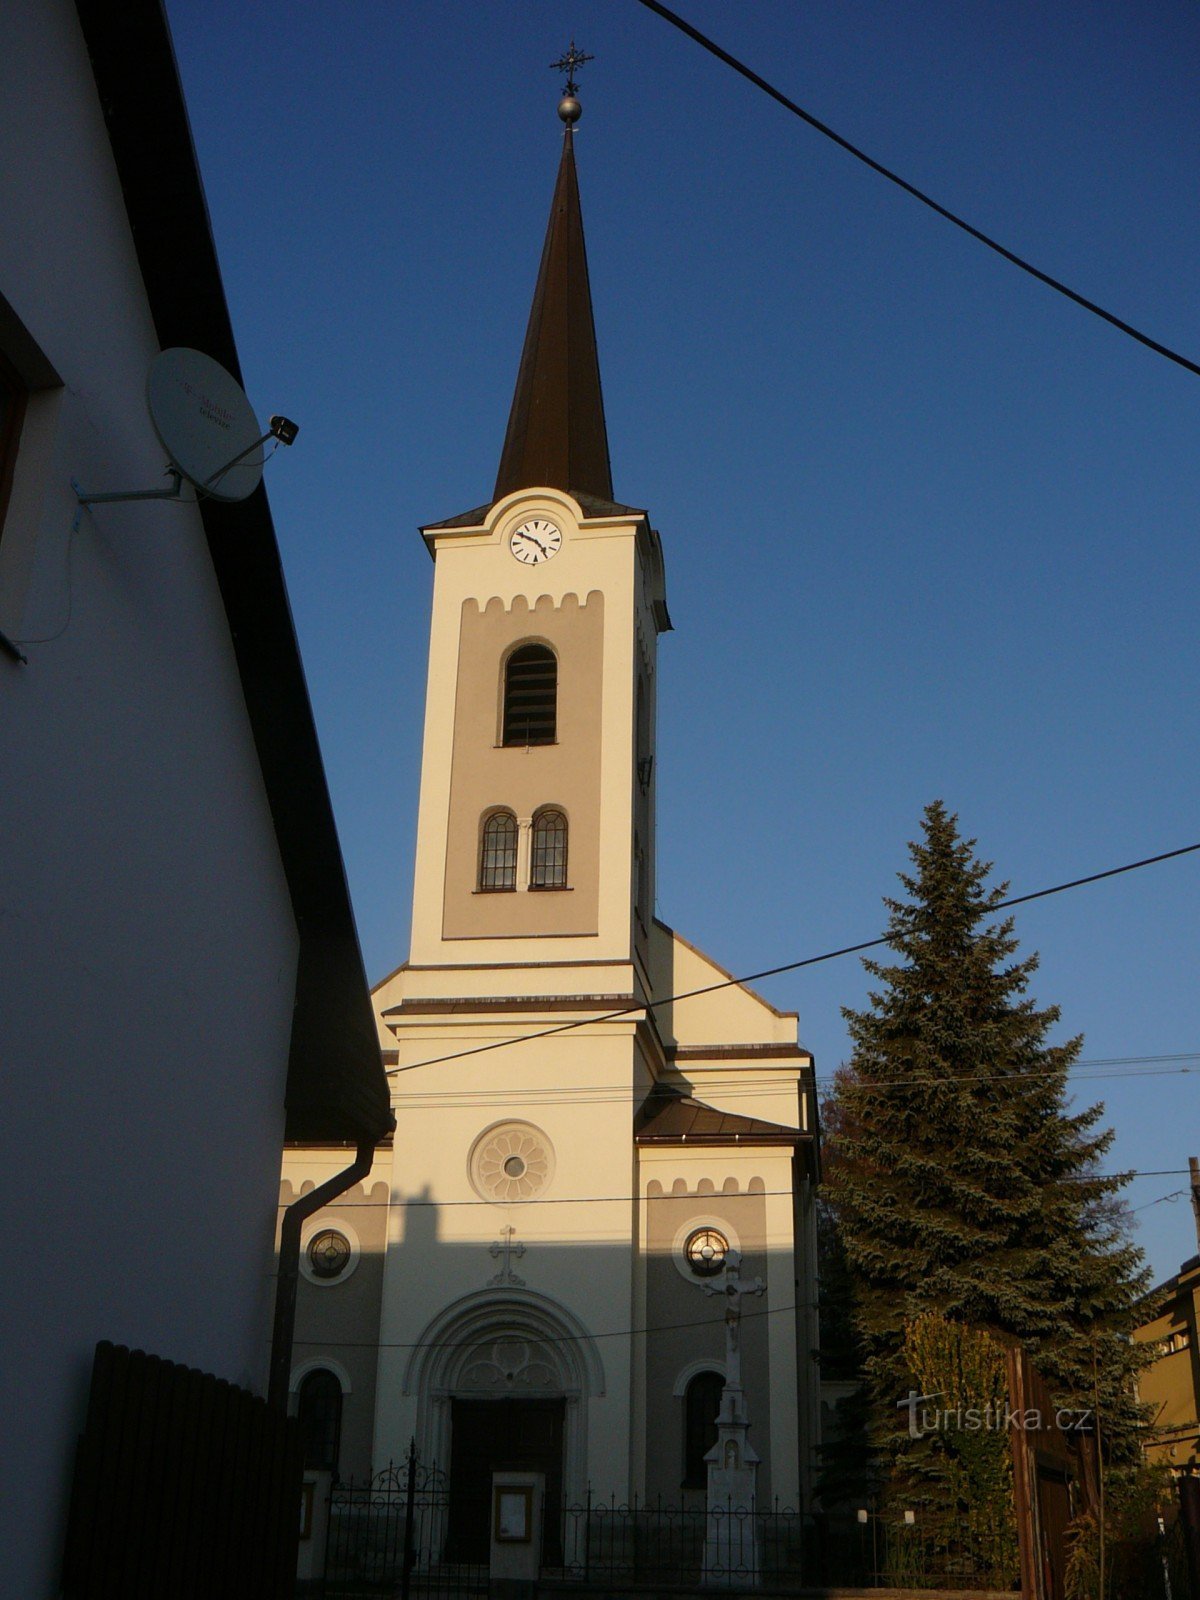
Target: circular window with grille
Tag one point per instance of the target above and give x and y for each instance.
(705, 1251)
(512, 1161)
(329, 1252)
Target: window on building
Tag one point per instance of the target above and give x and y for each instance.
(12, 414)
(701, 1403)
(706, 1250)
(531, 696)
(548, 857)
(319, 1409)
(498, 852)
(329, 1253)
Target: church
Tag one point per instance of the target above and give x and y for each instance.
(592, 1115)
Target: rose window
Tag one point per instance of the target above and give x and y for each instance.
(512, 1162)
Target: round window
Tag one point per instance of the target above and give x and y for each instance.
(328, 1253)
(705, 1251)
(513, 1161)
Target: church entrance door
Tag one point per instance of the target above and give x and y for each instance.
(502, 1436)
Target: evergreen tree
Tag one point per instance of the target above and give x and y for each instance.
(961, 1180)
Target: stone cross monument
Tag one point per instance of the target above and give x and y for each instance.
(731, 1541)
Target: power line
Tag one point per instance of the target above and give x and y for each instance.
(693, 1196)
(558, 1338)
(1174, 1195)
(918, 194)
(774, 972)
(767, 1088)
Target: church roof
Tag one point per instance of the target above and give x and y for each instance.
(590, 504)
(668, 1117)
(556, 432)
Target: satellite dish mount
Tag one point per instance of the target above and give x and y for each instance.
(208, 429)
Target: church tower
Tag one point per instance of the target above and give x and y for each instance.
(535, 839)
(591, 1115)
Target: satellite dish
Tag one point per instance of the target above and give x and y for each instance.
(205, 423)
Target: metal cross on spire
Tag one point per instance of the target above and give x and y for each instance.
(570, 63)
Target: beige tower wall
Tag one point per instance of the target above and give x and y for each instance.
(485, 774)
(589, 603)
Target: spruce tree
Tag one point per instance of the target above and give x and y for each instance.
(961, 1179)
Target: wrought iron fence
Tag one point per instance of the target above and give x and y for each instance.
(406, 1533)
(647, 1543)
(401, 1533)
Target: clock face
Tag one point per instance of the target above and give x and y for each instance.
(535, 540)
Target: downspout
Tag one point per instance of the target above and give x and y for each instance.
(288, 1275)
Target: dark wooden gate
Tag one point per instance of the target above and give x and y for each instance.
(185, 1485)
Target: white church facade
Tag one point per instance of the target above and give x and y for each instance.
(581, 1137)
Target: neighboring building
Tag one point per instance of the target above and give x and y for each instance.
(521, 1278)
(180, 981)
(1171, 1386)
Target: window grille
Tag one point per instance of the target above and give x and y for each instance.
(548, 863)
(319, 1408)
(498, 856)
(531, 696)
(701, 1403)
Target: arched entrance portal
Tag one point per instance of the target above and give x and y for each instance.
(502, 1380)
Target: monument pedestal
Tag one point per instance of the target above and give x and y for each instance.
(731, 1534)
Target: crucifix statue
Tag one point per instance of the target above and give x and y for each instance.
(731, 1555)
(504, 1246)
(734, 1290)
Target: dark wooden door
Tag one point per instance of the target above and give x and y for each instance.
(502, 1436)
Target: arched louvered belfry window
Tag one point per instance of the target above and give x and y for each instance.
(701, 1402)
(498, 852)
(319, 1408)
(531, 696)
(548, 853)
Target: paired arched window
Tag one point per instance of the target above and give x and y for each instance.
(319, 1409)
(701, 1403)
(498, 852)
(548, 850)
(531, 696)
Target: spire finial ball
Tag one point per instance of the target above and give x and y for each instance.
(569, 109)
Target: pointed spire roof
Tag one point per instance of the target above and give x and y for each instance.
(556, 433)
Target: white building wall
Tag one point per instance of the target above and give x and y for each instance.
(147, 947)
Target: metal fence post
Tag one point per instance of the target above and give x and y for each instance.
(587, 1536)
(410, 1555)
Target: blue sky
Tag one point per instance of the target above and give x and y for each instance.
(930, 530)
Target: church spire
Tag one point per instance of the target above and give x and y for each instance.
(556, 433)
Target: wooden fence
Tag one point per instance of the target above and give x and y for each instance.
(184, 1485)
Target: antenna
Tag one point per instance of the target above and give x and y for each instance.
(207, 427)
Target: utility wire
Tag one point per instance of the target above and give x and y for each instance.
(788, 966)
(763, 1088)
(560, 1338)
(1174, 1195)
(918, 194)
(716, 1194)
